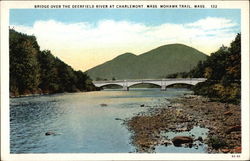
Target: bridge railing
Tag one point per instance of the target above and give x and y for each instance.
(148, 80)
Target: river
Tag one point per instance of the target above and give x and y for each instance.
(87, 122)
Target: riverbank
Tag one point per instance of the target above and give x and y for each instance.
(183, 114)
(43, 93)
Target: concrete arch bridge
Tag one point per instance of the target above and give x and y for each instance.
(163, 83)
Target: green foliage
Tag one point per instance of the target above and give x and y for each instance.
(49, 73)
(223, 72)
(24, 68)
(35, 71)
(156, 63)
(179, 75)
(216, 142)
(100, 79)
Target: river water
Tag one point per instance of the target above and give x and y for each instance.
(87, 122)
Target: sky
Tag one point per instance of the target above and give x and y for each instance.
(84, 38)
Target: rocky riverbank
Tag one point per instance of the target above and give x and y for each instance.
(183, 114)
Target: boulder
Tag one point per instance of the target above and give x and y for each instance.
(119, 119)
(166, 143)
(178, 140)
(182, 129)
(237, 149)
(225, 150)
(200, 139)
(103, 104)
(234, 128)
(49, 133)
(228, 113)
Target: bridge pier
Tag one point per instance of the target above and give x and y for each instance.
(125, 88)
(163, 88)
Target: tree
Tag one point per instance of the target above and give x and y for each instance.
(24, 67)
(223, 72)
(208, 72)
(233, 68)
(49, 72)
(35, 71)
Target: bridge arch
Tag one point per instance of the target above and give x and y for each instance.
(160, 82)
(112, 84)
(172, 84)
(144, 83)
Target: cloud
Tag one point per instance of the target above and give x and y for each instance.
(84, 45)
(212, 23)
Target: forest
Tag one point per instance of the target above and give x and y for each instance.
(223, 72)
(33, 71)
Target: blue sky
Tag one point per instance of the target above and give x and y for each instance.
(146, 16)
(84, 38)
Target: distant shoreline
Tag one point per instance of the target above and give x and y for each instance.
(45, 94)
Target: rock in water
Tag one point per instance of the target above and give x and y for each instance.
(119, 119)
(103, 104)
(178, 140)
(49, 133)
(200, 139)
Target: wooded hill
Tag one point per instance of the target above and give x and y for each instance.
(33, 71)
(223, 72)
(157, 63)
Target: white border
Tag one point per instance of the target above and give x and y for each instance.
(6, 5)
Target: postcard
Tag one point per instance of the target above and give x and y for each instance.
(125, 80)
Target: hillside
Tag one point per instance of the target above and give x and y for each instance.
(157, 63)
(223, 72)
(33, 71)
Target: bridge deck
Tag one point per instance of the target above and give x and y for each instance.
(150, 80)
